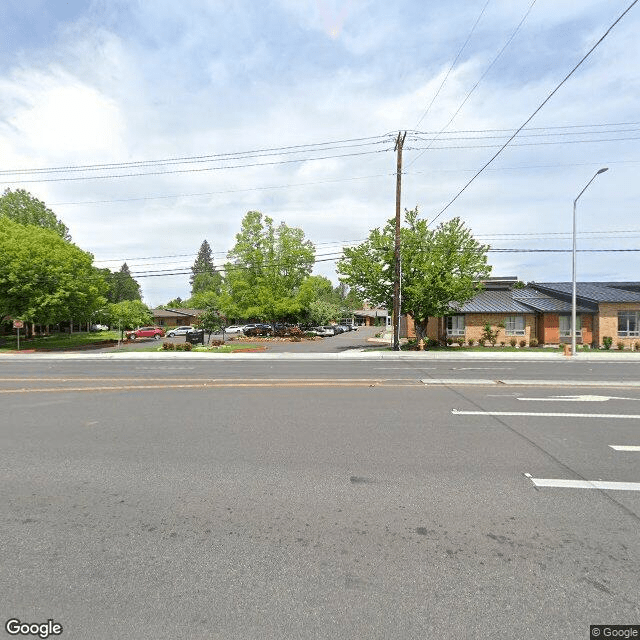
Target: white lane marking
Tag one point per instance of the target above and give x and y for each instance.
(545, 415)
(586, 484)
(453, 381)
(624, 447)
(577, 399)
(481, 368)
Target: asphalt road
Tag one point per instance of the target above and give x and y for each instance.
(320, 499)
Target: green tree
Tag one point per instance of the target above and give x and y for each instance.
(128, 314)
(441, 267)
(204, 276)
(20, 206)
(122, 285)
(211, 321)
(45, 279)
(266, 268)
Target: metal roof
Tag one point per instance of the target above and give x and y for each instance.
(594, 291)
(542, 302)
(493, 301)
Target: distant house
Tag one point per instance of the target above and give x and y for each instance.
(542, 311)
(176, 317)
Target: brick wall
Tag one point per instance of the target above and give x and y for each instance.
(607, 321)
(474, 323)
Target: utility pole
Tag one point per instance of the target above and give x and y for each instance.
(396, 279)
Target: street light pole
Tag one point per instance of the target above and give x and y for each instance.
(573, 277)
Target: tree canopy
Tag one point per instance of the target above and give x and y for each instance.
(266, 267)
(122, 285)
(128, 314)
(440, 267)
(20, 206)
(204, 276)
(44, 278)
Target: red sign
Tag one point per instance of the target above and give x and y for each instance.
(18, 324)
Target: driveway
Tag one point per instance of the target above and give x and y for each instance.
(334, 344)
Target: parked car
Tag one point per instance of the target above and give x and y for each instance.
(179, 331)
(234, 328)
(337, 329)
(325, 331)
(147, 332)
(258, 330)
(99, 327)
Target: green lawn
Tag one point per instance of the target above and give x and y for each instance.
(58, 340)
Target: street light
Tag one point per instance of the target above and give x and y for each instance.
(573, 278)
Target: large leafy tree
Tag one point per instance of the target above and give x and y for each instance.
(44, 278)
(204, 276)
(441, 267)
(20, 206)
(266, 267)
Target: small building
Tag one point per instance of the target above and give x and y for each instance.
(175, 317)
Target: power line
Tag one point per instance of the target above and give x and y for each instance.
(475, 86)
(202, 169)
(453, 64)
(537, 110)
(524, 144)
(301, 148)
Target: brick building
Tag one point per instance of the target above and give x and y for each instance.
(543, 311)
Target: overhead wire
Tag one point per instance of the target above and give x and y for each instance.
(453, 64)
(544, 102)
(475, 86)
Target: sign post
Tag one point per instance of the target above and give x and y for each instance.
(18, 324)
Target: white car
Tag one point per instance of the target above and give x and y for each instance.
(179, 331)
(234, 328)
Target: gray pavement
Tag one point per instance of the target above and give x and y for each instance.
(325, 498)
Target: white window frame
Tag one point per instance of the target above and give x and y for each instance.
(454, 327)
(566, 333)
(627, 333)
(511, 327)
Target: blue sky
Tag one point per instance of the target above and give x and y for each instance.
(113, 81)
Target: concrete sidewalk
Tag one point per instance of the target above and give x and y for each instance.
(550, 355)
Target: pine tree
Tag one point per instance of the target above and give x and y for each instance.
(123, 286)
(204, 276)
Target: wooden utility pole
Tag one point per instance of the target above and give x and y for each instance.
(396, 279)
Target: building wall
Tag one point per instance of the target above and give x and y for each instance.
(608, 323)
(474, 324)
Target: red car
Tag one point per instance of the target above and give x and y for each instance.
(147, 332)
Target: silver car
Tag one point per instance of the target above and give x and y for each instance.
(179, 331)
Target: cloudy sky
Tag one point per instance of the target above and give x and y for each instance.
(290, 107)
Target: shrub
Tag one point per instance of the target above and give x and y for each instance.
(309, 334)
(168, 346)
(489, 334)
(216, 343)
(460, 341)
(620, 345)
(296, 339)
(533, 342)
(502, 343)
(513, 342)
(449, 340)
(523, 343)
(471, 342)
(585, 347)
(184, 346)
(607, 341)
(636, 346)
(561, 346)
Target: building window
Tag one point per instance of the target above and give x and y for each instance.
(628, 323)
(565, 326)
(514, 325)
(455, 325)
